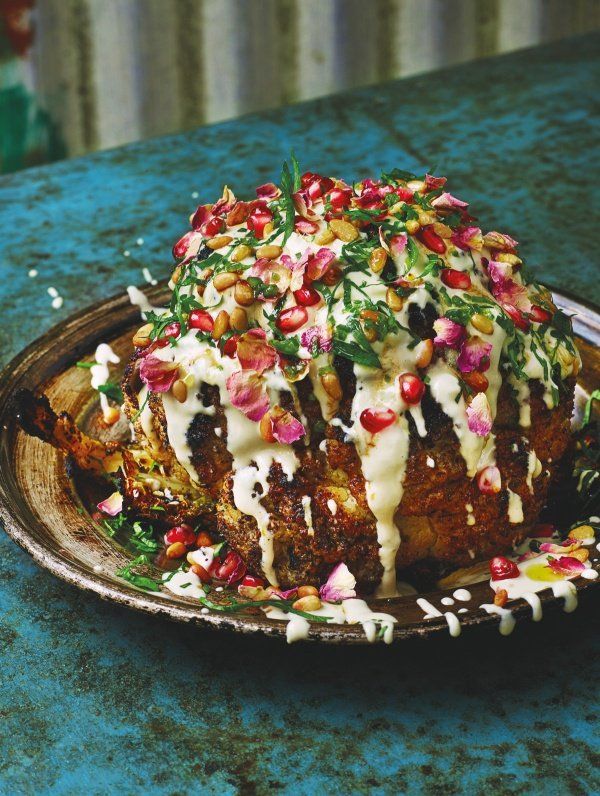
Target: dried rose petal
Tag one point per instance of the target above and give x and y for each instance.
(468, 238)
(340, 585)
(248, 394)
(158, 374)
(474, 355)
(550, 547)
(505, 290)
(254, 353)
(489, 480)
(566, 565)
(318, 263)
(499, 241)
(448, 333)
(479, 415)
(112, 505)
(433, 183)
(446, 201)
(304, 226)
(285, 427)
(317, 335)
(268, 191)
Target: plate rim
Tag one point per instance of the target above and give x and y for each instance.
(74, 573)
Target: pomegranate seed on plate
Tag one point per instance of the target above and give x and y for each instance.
(201, 319)
(375, 420)
(213, 226)
(458, 280)
(412, 388)
(181, 533)
(259, 217)
(540, 315)
(307, 296)
(503, 568)
(432, 240)
(517, 317)
(252, 580)
(232, 569)
(170, 332)
(292, 319)
(230, 345)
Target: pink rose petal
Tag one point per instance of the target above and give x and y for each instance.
(112, 505)
(268, 191)
(433, 183)
(319, 336)
(474, 355)
(566, 565)
(254, 353)
(304, 226)
(157, 374)
(479, 415)
(340, 585)
(506, 290)
(468, 238)
(448, 202)
(448, 333)
(318, 263)
(248, 394)
(303, 203)
(499, 241)
(285, 427)
(550, 547)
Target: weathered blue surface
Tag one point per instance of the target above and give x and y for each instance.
(99, 700)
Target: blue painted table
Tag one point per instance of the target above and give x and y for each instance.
(95, 699)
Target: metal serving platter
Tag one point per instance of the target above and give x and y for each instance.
(42, 512)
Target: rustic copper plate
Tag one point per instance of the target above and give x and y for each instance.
(43, 513)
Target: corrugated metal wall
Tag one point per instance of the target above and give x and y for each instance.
(112, 71)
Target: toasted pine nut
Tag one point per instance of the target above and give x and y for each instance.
(331, 385)
(370, 333)
(141, 338)
(369, 315)
(309, 603)
(425, 353)
(307, 591)
(393, 300)
(224, 280)
(426, 218)
(443, 230)
(501, 597)
(240, 253)
(412, 226)
(269, 251)
(176, 275)
(482, 324)
(111, 415)
(221, 325)
(324, 237)
(511, 259)
(200, 290)
(219, 241)
(343, 230)
(581, 532)
(243, 293)
(179, 391)
(268, 228)
(176, 550)
(378, 259)
(239, 319)
(581, 555)
(416, 185)
(265, 428)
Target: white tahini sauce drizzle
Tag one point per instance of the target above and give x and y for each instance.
(515, 507)
(464, 595)
(507, 620)
(100, 374)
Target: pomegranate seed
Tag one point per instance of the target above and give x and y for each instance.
(203, 540)
(230, 345)
(489, 480)
(540, 315)
(201, 319)
(412, 388)
(232, 569)
(202, 573)
(340, 198)
(170, 332)
(502, 568)
(259, 217)
(307, 296)
(458, 280)
(432, 240)
(252, 580)
(307, 178)
(292, 319)
(181, 533)
(213, 226)
(517, 317)
(181, 247)
(375, 420)
(332, 275)
(404, 194)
